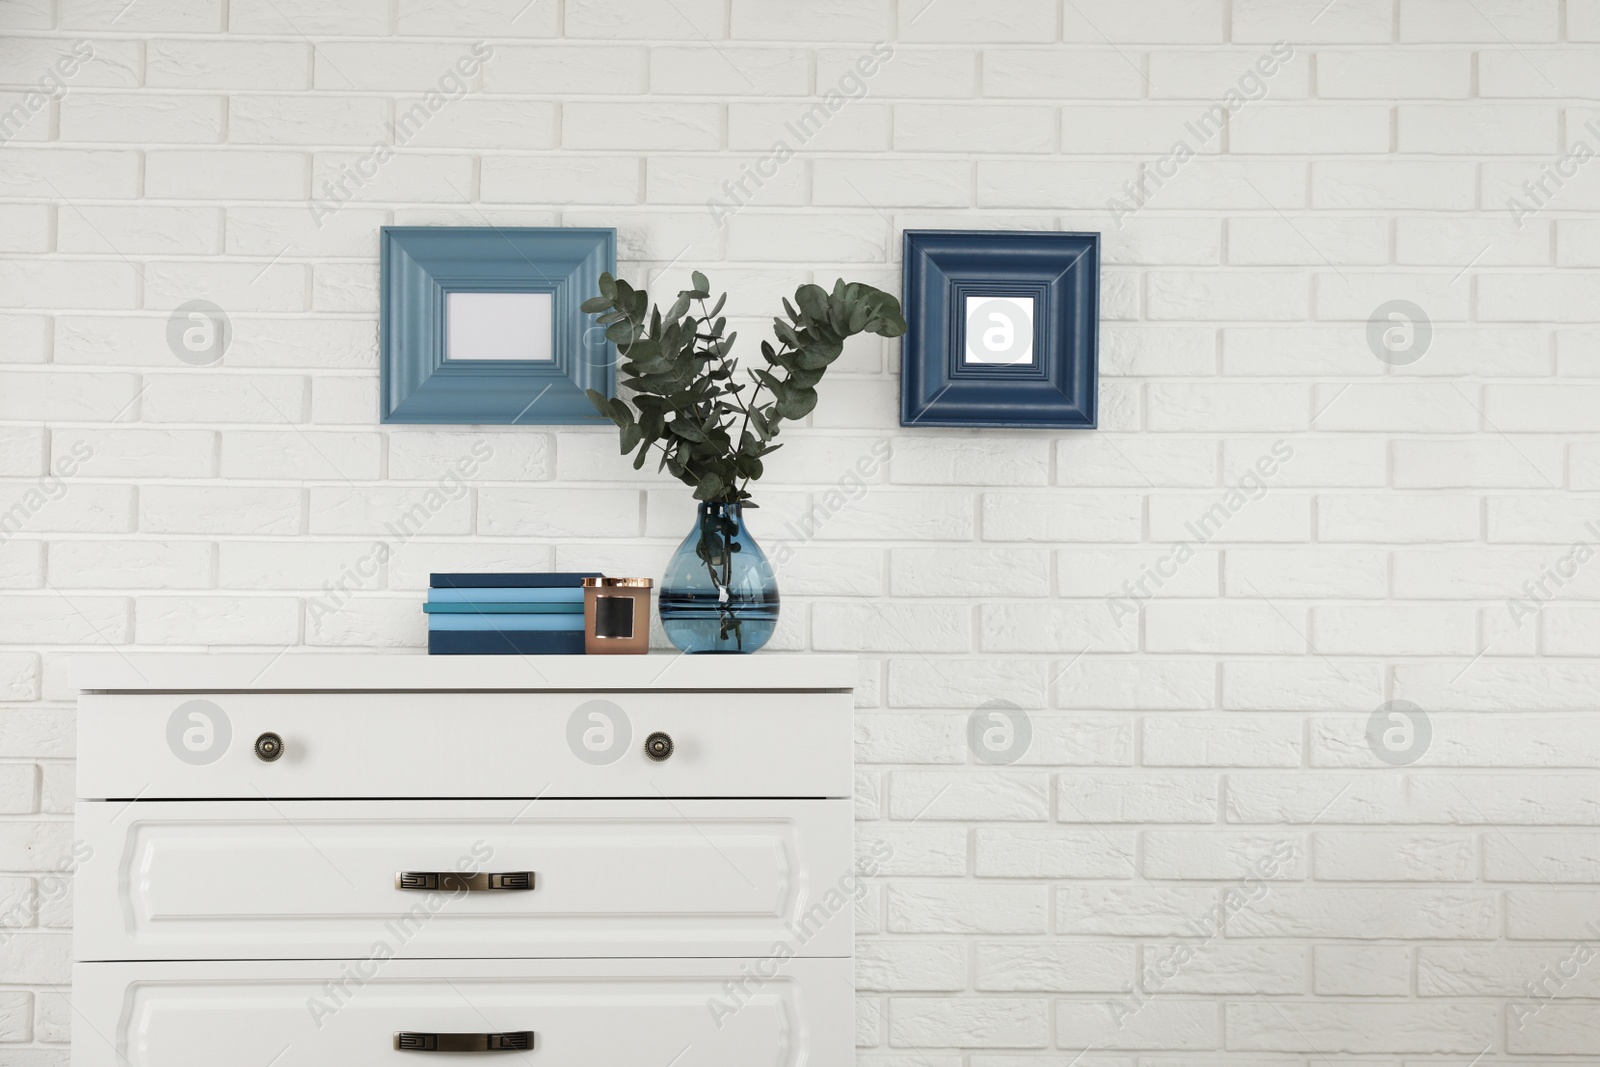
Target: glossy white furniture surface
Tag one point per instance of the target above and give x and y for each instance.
(406, 744)
(379, 859)
(582, 1013)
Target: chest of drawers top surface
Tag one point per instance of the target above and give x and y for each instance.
(179, 673)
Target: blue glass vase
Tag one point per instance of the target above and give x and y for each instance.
(719, 593)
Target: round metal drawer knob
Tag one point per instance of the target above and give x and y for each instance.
(658, 746)
(269, 746)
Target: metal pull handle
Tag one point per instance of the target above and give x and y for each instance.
(658, 747)
(451, 882)
(269, 746)
(514, 1041)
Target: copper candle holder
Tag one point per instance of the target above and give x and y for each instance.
(616, 616)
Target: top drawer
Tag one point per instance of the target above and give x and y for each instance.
(152, 746)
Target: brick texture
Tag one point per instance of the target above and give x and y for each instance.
(1201, 848)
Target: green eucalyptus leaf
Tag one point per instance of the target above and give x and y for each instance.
(700, 281)
(687, 430)
(813, 301)
(797, 403)
(885, 309)
(804, 379)
(817, 356)
(643, 351)
(620, 413)
(709, 486)
(608, 285)
(595, 304)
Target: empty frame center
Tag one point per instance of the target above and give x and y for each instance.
(999, 330)
(499, 326)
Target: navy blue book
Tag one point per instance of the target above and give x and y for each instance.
(505, 642)
(533, 580)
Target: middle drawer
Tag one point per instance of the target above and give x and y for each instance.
(307, 879)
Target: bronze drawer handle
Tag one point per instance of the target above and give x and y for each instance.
(269, 746)
(658, 746)
(514, 1041)
(451, 882)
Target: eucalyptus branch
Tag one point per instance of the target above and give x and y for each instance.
(724, 364)
(674, 369)
(754, 395)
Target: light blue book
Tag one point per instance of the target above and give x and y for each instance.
(515, 596)
(506, 623)
(479, 608)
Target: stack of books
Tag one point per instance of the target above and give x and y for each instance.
(506, 614)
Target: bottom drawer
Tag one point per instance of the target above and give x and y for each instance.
(582, 1013)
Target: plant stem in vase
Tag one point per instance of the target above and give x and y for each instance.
(719, 593)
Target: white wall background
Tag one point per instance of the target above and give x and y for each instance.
(1172, 754)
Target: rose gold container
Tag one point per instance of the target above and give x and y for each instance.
(616, 616)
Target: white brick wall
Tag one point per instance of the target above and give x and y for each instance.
(1199, 741)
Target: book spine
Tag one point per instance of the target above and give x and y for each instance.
(467, 608)
(483, 643)
(514, 581)
(507, 623)
(489, 596)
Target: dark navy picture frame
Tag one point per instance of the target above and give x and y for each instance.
(419, 266)
(1059, 271)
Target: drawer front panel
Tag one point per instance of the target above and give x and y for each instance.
(548, 744)
(581, 1012)
(317, 879)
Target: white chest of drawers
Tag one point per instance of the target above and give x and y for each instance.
(376, 860)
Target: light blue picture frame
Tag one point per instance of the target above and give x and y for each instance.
(419, 266)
